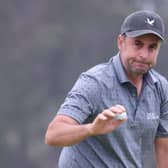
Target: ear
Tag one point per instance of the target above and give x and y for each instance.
(120, 41)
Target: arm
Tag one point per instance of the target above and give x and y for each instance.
(64, 131)
(161, 146)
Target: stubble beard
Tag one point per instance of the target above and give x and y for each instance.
(140, 71)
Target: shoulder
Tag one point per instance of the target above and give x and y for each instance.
(159, 77)
(101, 72)
(94, 80)
(161, 84)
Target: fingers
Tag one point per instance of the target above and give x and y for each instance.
(106, 121)
(118, 108)
(107, 114)
(112, 112)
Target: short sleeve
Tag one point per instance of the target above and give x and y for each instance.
(163, 122)
(81, 102)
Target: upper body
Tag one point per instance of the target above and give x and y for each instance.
(86, 121)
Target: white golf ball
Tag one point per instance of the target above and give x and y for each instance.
(121, 116)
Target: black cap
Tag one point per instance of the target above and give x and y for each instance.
(143, 22)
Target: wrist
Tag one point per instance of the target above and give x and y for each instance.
(89, 130)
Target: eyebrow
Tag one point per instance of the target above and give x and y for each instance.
(152, 43)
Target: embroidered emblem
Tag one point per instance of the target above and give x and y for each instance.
(151, 22)
(152, 116)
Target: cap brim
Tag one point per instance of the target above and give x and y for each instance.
(143, 32)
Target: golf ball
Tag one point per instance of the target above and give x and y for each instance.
(121, 116)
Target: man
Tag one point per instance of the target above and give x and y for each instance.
(116, 115)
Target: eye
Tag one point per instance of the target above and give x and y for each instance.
(153, 47)
(138, 44)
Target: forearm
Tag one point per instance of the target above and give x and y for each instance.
(161, 145)
(63, 134)
(162, 163)
(65, 131)
(162, 160)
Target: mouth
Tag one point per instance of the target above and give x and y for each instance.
(141, 66)
(139, 63)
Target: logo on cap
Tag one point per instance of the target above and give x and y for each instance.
(151, 22)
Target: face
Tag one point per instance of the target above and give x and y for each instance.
(139, 54)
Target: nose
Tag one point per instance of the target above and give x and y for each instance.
(144, 53)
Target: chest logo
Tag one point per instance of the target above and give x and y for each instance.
(152, 116)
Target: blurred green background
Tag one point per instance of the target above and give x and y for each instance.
(45, 45)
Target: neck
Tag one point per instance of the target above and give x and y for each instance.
(137, 81)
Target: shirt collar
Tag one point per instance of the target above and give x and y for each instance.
(119, 69)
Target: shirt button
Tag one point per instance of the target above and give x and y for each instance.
(140, 141)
